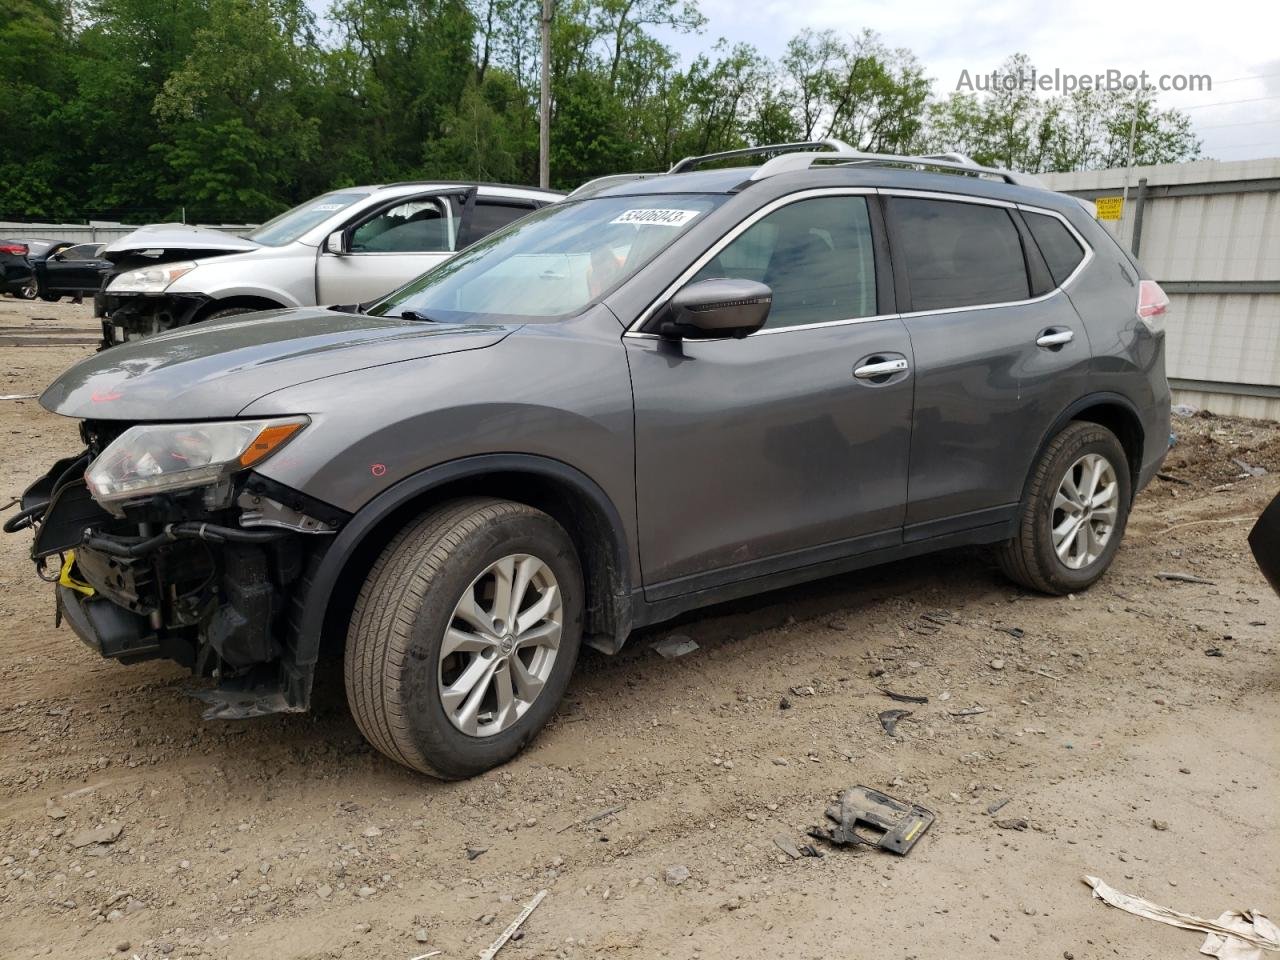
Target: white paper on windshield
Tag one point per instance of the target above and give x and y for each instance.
(650, 217)
(330, 206)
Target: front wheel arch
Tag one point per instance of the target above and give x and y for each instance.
(235, 303)
(563, 492)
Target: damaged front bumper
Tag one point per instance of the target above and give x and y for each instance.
(217, 590)
(131, 316)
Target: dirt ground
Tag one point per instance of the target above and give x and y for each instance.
(1130, 753)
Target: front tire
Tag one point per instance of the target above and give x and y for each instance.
(1073, 513)
(464, 636)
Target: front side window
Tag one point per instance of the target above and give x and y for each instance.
(815, 255)
(552, 263)
(958, 254)
(416, 226)
(292, 224)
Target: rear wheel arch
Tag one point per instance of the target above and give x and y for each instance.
(566, 494)
(1110, 410)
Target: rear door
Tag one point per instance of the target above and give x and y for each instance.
(999, 352)
(788, 447)
(481, 214)
(387, 246)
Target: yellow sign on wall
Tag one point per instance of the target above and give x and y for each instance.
(1109, 208)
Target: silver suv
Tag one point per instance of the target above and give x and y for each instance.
(658, 394)
(348, 246)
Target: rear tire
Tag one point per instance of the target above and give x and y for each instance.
(1073, 513)
(410, 695)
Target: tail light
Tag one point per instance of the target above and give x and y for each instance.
(1152, 304)
(17, 249)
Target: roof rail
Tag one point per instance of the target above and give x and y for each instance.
(841, 151)
(691, 163)
(602, 183)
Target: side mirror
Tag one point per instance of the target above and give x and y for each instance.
(717, 308)
(336, 243)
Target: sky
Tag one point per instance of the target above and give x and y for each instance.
(1235, 42)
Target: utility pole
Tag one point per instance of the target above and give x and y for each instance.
(544, 109)
(1128, 162)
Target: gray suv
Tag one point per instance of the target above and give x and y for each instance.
(661, 393)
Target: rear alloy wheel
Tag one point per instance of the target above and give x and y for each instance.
(464, 636)
(1073, 514)
(29, 290)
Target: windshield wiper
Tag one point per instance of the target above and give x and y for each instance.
(419, 317)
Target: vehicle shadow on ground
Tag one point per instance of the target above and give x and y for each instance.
(943, 580)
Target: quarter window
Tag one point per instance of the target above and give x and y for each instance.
(816, 255)
(1060, 249)
(958, 254)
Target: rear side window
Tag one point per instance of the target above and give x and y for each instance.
(488, 216)
(958, 254)
(1061, 251)
(816, 255)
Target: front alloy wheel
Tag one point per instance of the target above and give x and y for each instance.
(464, 636)
(501, 644)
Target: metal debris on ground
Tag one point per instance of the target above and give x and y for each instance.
(473, 852)
(1246, 470)
(894, 825)
(889, 720)
(18, 396)
(506, 934)
(1184, 578)
(676, 645)
(1214, 652)
(969, 712)
(595, 817)
(931, 622)
(994, 808)
(1258, 932)
(1016, 632)
(1170, 478)
(903, 697)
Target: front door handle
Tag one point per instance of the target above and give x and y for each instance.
(881, 368)
(1055, 337)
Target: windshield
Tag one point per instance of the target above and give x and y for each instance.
(552, 263)
(292, 224)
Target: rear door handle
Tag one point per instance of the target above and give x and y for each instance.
(1055, 337)
(882, 368)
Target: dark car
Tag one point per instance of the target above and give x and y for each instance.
(70, 269)
(16, 274)
(654, 395)
(1264, 541)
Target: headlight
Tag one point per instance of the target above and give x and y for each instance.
(151, 279)
(154, 458)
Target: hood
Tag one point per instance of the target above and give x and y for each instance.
(215, 369)
(177, 241)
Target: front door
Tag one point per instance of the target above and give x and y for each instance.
(386, 249)
(790, 446)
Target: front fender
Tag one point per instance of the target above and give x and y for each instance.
(324, 583)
